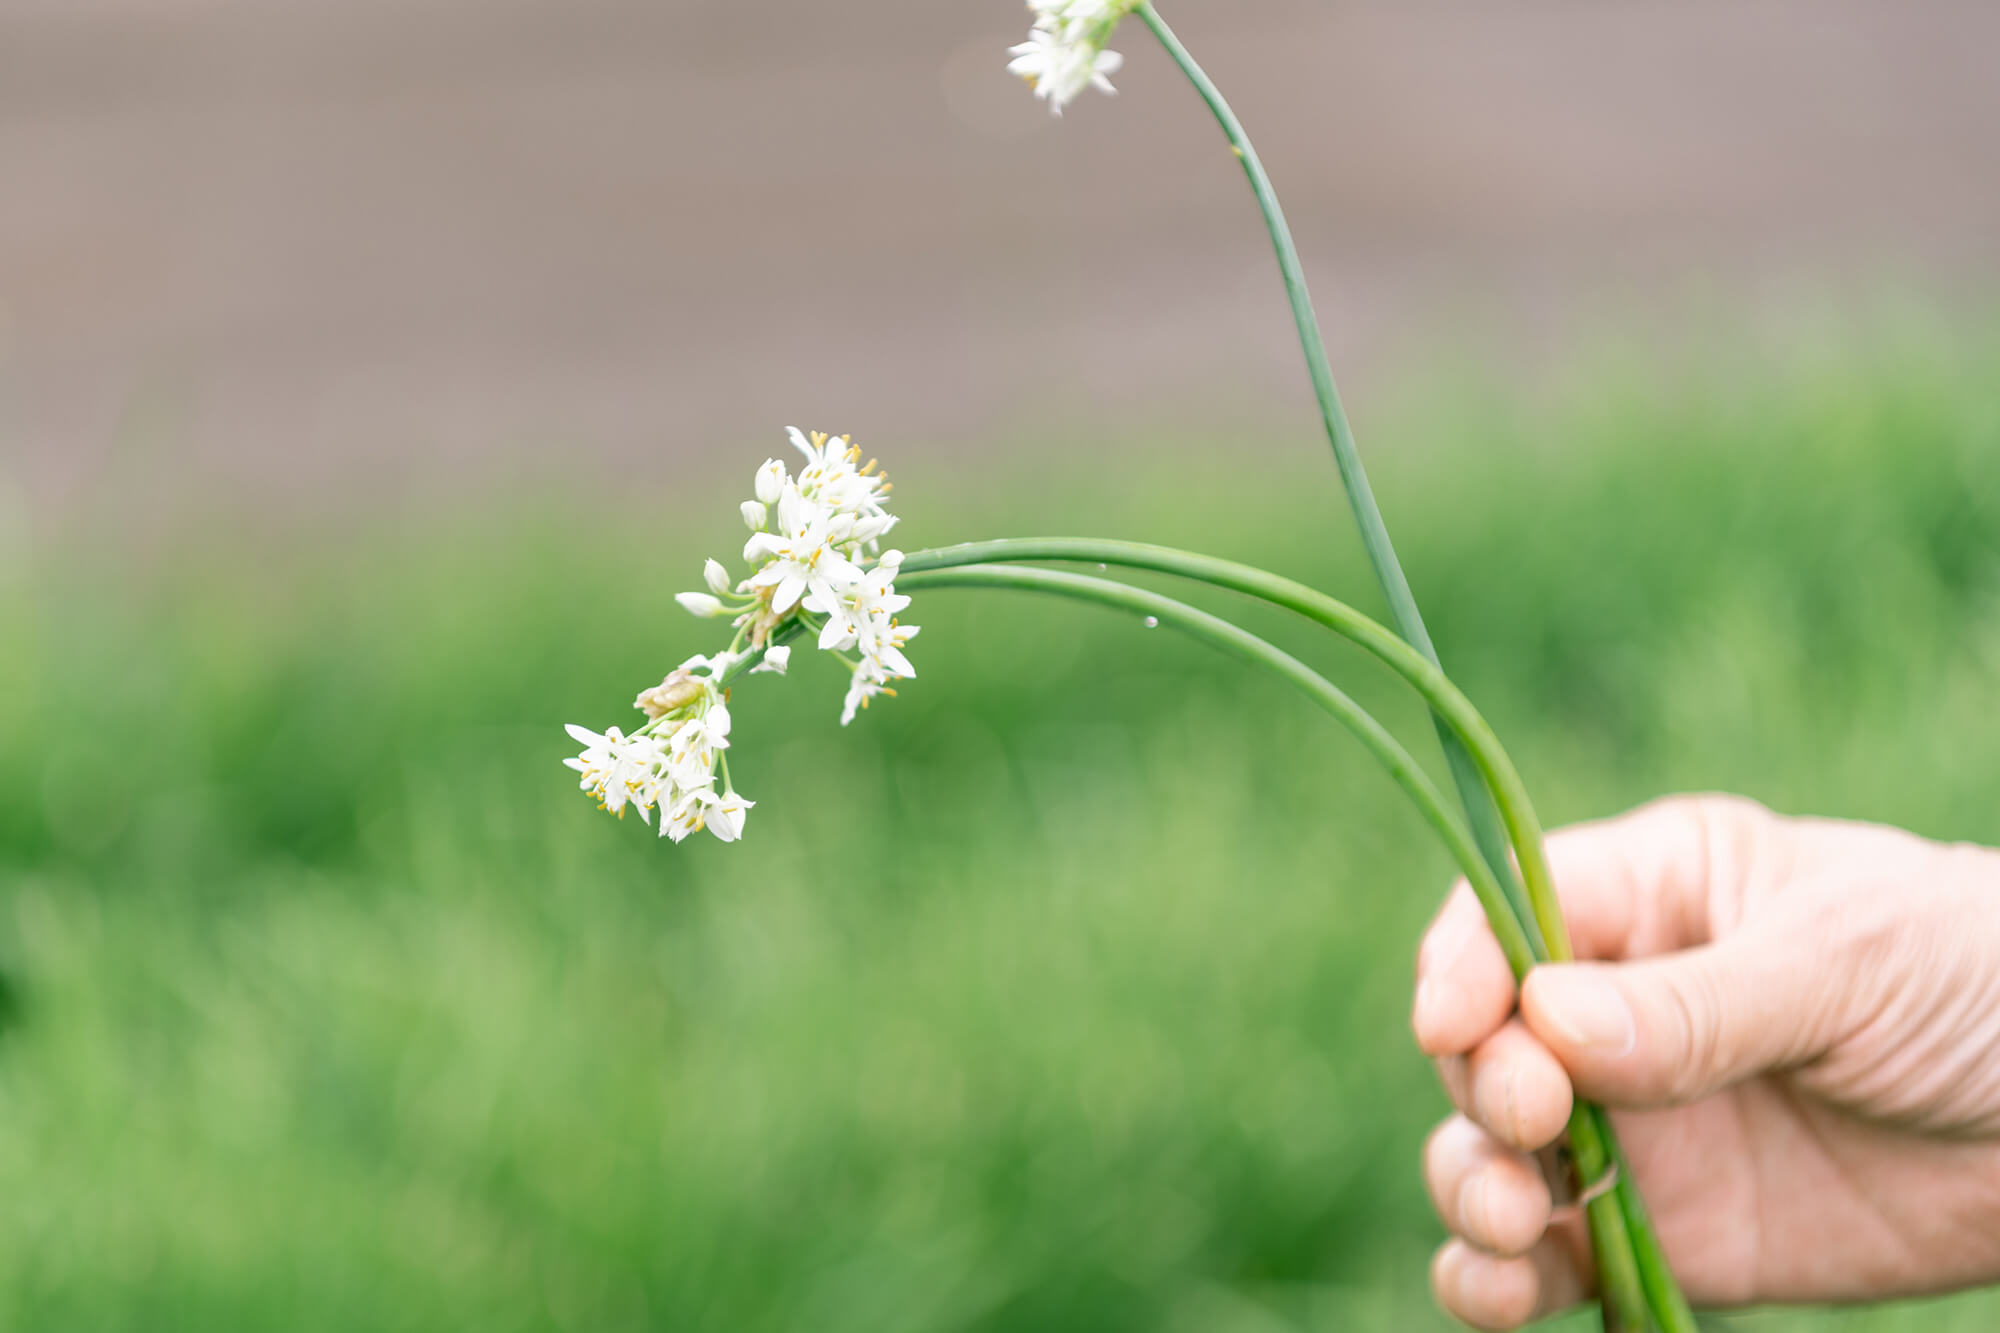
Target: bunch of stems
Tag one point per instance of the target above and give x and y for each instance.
(1638, 1290)
(1492, 833)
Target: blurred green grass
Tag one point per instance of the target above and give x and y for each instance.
(1067, 991)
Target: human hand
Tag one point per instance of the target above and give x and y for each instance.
(1797, 1022)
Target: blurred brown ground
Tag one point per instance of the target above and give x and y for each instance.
(317, 248)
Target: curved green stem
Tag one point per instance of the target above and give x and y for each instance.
(1360, 495)
(1446, 701)
(1218, 633)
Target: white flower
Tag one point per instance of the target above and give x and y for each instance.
(691, 750)
(755, 515)
(1064, 53)
(687, 813)
(617, 768)
(725, 817)
(881, 643)
(716, 577)
(866, 684)
(802, 555)
(709, 666)
(831, 477)
(873, 596)
(775, 659)
(771, 480)
(701, 604)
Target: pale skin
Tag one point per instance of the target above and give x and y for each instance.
(1797, 1022)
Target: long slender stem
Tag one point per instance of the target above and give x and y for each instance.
(1213, 630)
(1467, 727)
(1360, 495)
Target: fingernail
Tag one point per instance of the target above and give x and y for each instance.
(1430, 1013)
(1586, 1009)
(1472, 1207)
(1421, 1011)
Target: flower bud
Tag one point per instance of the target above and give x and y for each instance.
(770, 481)
(754, 515)
(775, 659)
(699, 604)
(671, 695)
(873, 526)
(716, 577)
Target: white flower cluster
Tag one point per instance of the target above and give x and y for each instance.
(1064, 53)
(814, 568)
(670, 763)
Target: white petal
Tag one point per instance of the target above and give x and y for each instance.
(796, 514)
(838, 571)
(791, 586)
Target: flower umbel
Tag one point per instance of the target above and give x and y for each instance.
(1064, 53)
(813, 570)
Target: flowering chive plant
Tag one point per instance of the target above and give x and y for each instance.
(816, 565)
(816, 568)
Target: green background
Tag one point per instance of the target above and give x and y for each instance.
(1066, 991)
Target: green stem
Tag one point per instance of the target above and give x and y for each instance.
(1218, 633)
(784, 634)
(1620, 1283)
(1670, 1304)
(1360, 495)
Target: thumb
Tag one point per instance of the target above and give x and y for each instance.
(1669, 1029)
